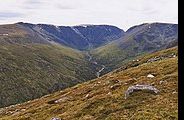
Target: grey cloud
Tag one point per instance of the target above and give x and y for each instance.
(144, 10)
(64, 7)
(32, 4)
(123, 13)
(7, 15)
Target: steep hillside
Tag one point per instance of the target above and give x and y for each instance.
(31, 66)
(33, 70)
(18, 34)
(138, 40)
(104, 97)
(82, 37)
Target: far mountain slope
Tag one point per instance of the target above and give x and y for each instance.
(138, 40)
(18, 34)
(82, 37)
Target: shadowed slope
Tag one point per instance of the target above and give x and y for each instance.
(77, 37)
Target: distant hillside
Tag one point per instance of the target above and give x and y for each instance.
(18, 34)
(104, 97)
(138, 40)
(79, 37)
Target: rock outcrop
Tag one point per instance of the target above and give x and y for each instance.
(55, 118)
(138, 88)
(150, 76)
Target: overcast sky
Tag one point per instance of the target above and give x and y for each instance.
(121, 13)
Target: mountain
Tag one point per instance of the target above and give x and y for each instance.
(138, 40)
(39, 59)
(78, 37)
(104, 98)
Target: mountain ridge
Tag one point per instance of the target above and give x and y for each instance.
(83, 35)
(140, 39)
(31, 53)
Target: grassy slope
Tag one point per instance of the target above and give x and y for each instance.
(17, 34)
(31, 67)
(32, 70)
(138, 41)
(113, 56)
(97, 100)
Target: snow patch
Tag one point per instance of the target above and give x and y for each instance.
(4, 34)
(78, 32)
(84, 26)
(57, 28)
